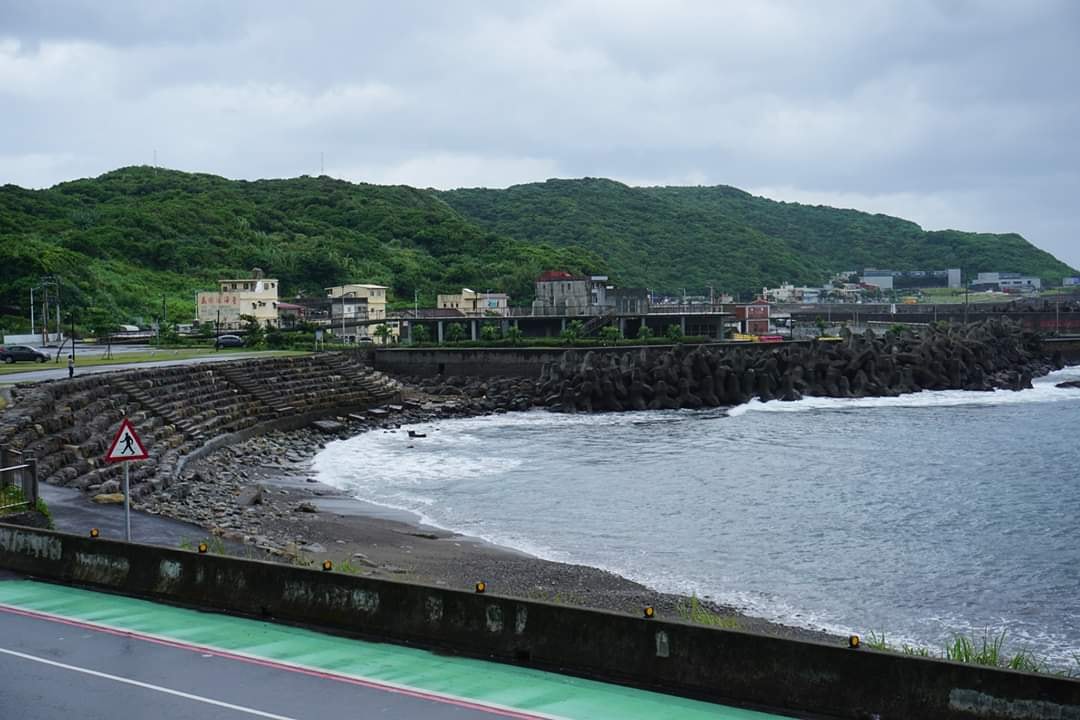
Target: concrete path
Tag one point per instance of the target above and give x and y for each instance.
(73, 512)
(60, 372)
(71, 653)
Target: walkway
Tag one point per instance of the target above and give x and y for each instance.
(67, 652)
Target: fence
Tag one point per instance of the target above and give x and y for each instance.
(18, 481)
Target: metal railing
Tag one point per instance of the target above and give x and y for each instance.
(18, 481)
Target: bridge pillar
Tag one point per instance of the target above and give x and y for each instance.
(473, 330)
(440, 331)
(622, 326)
(682, 323)
(562, 324)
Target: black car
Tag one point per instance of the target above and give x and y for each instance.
(14, 353)
(225, 341)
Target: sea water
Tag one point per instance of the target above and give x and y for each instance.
(919, 517)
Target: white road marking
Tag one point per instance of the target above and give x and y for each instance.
(147, 686)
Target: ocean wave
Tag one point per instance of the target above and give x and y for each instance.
(1044, 390)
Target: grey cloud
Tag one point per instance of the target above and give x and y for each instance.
(951, 113)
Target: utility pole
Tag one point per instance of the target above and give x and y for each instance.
(32, 324)
(44, 312)
(967, 287)
(342, 314)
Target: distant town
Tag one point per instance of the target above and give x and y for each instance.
(357, 312)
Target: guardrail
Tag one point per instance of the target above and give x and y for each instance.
(18, 481)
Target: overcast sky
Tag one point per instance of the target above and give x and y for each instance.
(952, 113)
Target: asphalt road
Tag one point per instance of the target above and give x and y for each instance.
(59, 372)
(72, 653)
(50, 669)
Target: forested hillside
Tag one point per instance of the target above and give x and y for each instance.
(123, 240)
(674, 237)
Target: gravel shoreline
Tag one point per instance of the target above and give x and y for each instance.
(261, 492)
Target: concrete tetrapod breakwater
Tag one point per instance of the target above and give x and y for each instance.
(704, 662)
(986, 356)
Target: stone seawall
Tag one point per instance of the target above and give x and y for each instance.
(699, 661)
(177, 410)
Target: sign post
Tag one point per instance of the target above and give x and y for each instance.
(126, 446)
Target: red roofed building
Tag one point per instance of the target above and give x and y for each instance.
(753, 318)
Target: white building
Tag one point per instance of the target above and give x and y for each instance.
(471, 302)
(256, 296)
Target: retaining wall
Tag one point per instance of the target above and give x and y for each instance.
(523, 362)
(722, 665)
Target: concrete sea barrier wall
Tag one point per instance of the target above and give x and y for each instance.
(982, 356)
(722, 665)
(67, 424)
(523, 362)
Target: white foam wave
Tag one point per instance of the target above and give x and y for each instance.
(1044, 390)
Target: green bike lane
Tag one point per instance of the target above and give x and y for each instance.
(477, 687)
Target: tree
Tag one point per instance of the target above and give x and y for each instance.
(674, 333)
(644, 332)
(514, 335)
(420, 333)
(489, 332)
(383, 332)
(455, 332)
(610, 334)
(255, 333)
(572, 332)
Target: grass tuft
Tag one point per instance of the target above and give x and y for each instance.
(692, 610)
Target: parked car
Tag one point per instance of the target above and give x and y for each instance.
(14, 353)
(366, 340)
(225, 341)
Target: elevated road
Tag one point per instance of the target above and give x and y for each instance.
(67, 653)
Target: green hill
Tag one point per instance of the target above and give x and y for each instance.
(121, 241)
(668, 238)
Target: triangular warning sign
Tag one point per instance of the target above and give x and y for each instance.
(126, 445)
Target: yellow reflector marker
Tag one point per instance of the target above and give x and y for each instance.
(203, 547)
(94, 532)
(327, 566)
(853, 642)
(481, 587)
(649, 611)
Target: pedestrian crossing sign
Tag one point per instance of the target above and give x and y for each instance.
(126, 445)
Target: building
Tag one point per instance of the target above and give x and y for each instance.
(560, 293)
(628, 301)
(1070, 281)
(471, 302)
(370, 300)
(255, 297)
(1010, 282)
(754, 318)
(788, 293)
(908, 279)
(881, 279)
